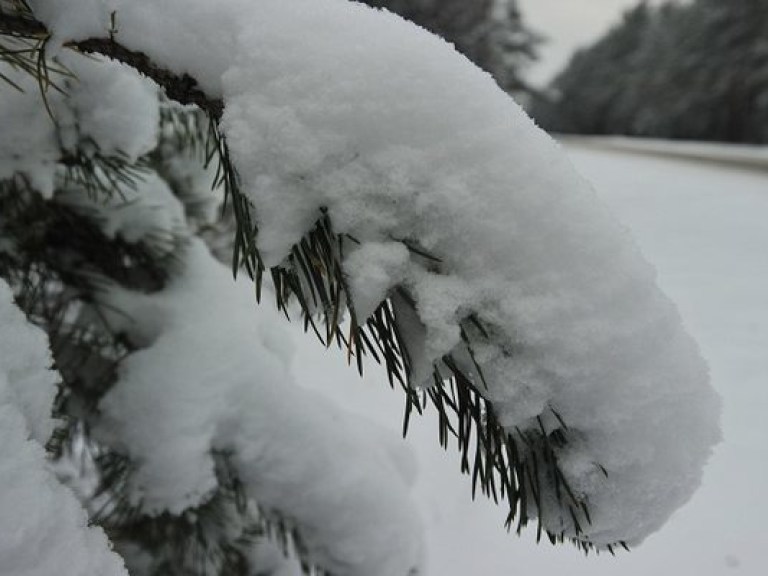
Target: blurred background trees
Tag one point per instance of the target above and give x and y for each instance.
(491, 33)
(694, 71)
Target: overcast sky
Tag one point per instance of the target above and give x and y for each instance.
(568, 24)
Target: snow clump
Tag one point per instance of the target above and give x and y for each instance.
(41, 521)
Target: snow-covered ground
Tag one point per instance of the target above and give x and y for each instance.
(705, 228)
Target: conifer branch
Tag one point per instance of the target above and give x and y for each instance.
(518, 466)
(181, 88)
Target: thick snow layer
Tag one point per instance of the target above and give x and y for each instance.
(704, 228)
(43, 528)
(107, 107)
(110, 105)
(330, 104)
(214, 376)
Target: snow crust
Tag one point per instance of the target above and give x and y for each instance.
(41, 522)
(330, 104)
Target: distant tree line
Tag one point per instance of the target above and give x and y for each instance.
(491, 33)
(690, 71)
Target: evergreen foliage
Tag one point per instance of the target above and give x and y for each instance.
(62, 261)
(60, 264)
(694, 71)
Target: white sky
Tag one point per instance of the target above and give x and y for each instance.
(568, 24)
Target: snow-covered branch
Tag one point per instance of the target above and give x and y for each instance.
(181, 88)
(419, 181)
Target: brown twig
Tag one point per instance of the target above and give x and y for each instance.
(182, 88)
